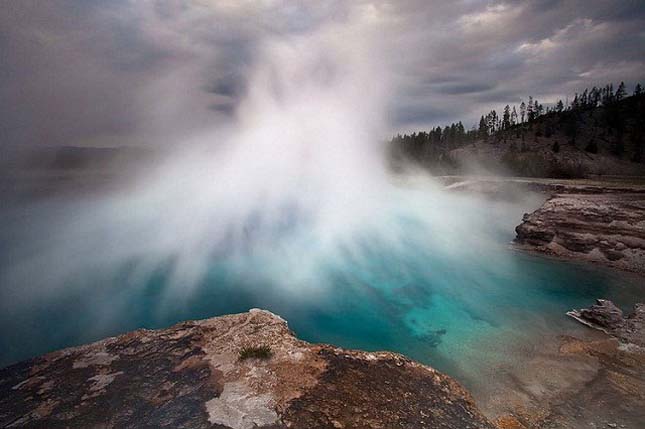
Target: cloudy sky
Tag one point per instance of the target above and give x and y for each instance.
(110, 72)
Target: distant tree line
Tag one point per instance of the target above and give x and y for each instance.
(432, 144)
(618, 112)
(430, 147)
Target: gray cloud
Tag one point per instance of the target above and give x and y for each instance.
(465, 88)
(122, 72)
(545, 49)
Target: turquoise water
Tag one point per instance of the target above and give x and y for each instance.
(461, 310)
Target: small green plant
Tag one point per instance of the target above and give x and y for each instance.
(255, 352)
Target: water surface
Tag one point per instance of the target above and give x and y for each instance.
(463, 306)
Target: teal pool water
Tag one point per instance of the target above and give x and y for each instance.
(460, 306)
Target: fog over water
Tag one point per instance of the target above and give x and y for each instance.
(290, 206)
(296, 180)
(300, 168)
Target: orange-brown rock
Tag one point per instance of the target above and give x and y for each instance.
(191, 376)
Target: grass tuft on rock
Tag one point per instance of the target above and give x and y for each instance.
(255, 352)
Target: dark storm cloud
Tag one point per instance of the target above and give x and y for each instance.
(123, 72)
(502, 52)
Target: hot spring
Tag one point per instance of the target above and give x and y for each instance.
(291, 208)
(459, 300)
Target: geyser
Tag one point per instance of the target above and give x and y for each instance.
(298, 172)
(293, 194)
(289, 207)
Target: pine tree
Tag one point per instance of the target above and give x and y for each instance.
(490, 123)
(583, 99)
(605, 96)
(638, 90)
(506, 121)
(522, 112)
(595, 96)
(530, 114)
(514, 116)
(608, 95)
(537, 109)
(460, 130)
(620, 92)
(559, 107)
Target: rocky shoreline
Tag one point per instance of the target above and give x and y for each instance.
(591, 381)
(598, 221)
(195, 375)
(582, 381)
(605, 228)
(198, 374)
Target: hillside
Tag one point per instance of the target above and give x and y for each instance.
(579, 141)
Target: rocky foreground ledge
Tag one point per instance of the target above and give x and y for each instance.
(607, 228)
(240, 371)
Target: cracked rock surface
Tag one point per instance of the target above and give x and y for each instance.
(190, 376)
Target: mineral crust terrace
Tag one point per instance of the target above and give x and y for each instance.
(605, 228)
(191, 376)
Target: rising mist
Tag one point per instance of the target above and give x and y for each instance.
(290, 193)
